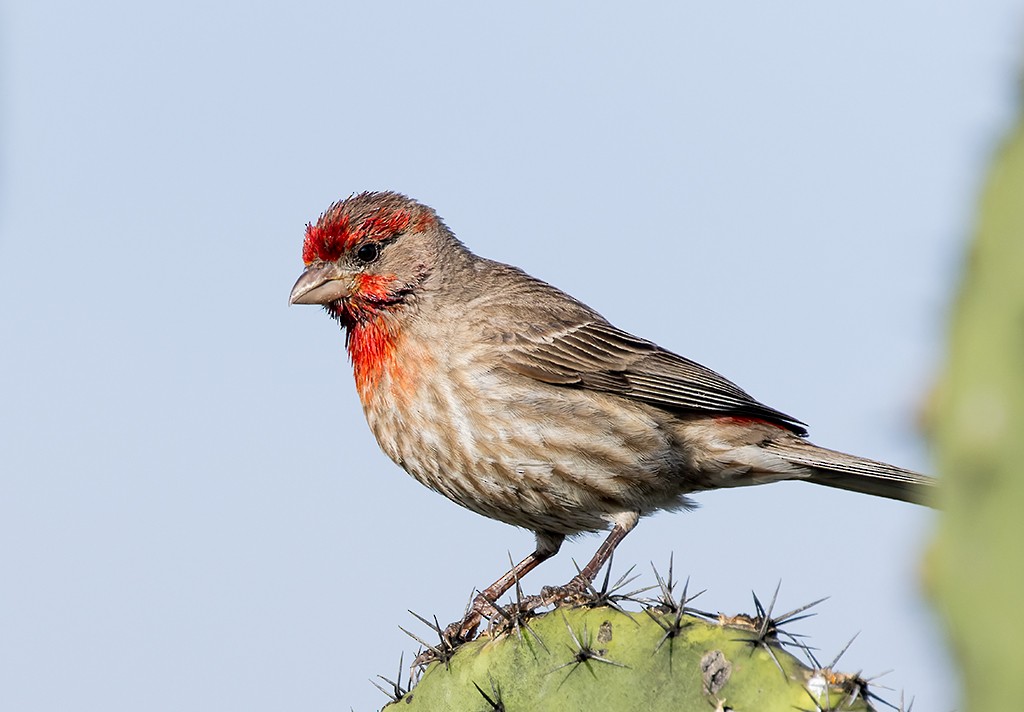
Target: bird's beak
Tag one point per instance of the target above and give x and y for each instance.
(321, 283)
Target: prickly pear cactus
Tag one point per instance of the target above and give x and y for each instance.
(606, 659)
(977, 563)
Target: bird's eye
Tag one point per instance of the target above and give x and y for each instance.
(368, 253)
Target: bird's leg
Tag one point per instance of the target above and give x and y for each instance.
(547, 546)
(581, 582)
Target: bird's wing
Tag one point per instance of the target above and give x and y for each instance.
(598, 356)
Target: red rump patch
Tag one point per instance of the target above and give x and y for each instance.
(333, 233)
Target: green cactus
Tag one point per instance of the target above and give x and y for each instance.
(977, 563)
(606, 659)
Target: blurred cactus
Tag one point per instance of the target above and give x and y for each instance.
(976, 566)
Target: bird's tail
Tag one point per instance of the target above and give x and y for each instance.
(857, 474)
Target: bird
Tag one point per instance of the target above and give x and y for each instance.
(521, 403)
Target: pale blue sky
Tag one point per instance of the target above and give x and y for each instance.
(193, 513)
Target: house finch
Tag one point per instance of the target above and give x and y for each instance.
(517, 401)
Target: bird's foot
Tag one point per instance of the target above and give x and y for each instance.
(464, 630)
(451, 638)
(502, 617)
(575, 593)
(579, 591)
(514, 616)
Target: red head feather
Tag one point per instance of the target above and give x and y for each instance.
(334, 233)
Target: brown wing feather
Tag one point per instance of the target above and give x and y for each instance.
(598, 356)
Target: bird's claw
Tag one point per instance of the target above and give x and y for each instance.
(574, 593)
(578, 591)
(462, 631)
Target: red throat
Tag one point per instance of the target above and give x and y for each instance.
(372, 335)
(371, 346)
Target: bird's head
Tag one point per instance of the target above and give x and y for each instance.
(368, 255)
